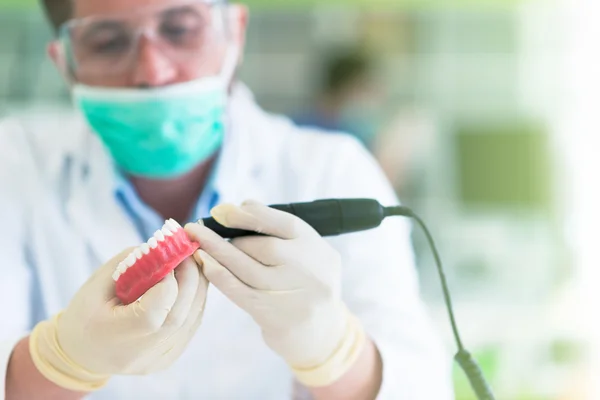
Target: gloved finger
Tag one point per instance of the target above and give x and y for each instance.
(234, 289)
(278, 255)
(173, 348)
(187, 275)
(101, 282)
(149, 313)
(197, 309)
(245, 268)
(254, 216)
(267, 250)
(194, 320)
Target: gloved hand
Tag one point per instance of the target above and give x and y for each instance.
(289, 282)
(96, 337)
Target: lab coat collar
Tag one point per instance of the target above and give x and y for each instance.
(93, 210)
(239, 168)
(101, 222)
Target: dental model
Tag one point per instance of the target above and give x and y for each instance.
(152, 261)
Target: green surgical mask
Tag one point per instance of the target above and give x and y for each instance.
(159, 133)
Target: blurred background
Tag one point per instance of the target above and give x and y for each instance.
(481, 113)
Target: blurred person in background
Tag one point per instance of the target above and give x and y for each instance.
(349, 99)
(164, 130)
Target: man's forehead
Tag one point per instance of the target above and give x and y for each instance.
(88, 8)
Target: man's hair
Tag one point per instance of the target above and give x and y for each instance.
(343, 68)
(57, 11)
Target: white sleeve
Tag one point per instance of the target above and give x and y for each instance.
(15, 281)
(380, 286)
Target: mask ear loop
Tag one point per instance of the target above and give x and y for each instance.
(66, 64)
(223, 14)
(230, 64)
(233, 14)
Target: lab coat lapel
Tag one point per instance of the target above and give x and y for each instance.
(93, 209)
(239, 170)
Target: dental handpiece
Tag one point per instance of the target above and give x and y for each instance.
(329, 217)
(332, 217)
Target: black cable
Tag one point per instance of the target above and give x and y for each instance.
(463, 357)
(404, 211)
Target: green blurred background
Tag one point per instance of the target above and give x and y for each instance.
(463, 124)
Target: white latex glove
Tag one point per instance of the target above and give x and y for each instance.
(96, 337)
(289, 282)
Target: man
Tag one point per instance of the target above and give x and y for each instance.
(168, 133)
(349, 98)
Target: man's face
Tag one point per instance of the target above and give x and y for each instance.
(148, 43)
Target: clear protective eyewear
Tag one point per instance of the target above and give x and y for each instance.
(189, 32)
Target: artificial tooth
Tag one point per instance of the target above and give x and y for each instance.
(174, 224)
(145, 248)
(116, 276)
(138, 254)
(122, 267)
(130, 260)
(166, 231)
(153, 243)
(159, 236)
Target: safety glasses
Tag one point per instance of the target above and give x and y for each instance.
(109, 45)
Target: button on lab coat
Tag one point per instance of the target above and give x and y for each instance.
(61, 221)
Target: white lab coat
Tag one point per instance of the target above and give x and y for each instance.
(61, 221)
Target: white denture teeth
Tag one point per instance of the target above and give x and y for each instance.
(145, 247)
(159, 236)
(153, 243)
(169, 228)
(122, 267)
(130, 260)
